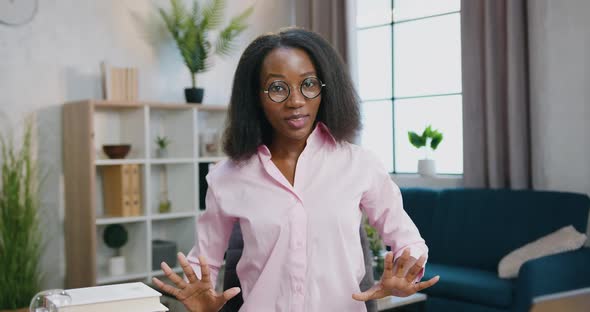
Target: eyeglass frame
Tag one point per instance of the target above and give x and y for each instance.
(322, 85)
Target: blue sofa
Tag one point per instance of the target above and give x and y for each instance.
(468, 231)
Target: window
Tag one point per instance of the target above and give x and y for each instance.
(409, 71)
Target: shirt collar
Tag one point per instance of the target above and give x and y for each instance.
(319, 136)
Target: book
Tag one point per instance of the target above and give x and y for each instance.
(122, 192)
(119, 83)
(129, 297)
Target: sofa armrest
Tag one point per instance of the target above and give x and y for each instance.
(551, 274)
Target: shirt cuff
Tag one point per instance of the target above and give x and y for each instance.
(415, 252)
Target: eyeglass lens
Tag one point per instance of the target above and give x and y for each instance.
(279, 91)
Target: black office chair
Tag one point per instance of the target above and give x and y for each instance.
(234, 252)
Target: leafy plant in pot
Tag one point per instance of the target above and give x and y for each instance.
(430, 139)
(162, 142)
(115, 236)
(20, 237)
(377, 249)
(190, 30)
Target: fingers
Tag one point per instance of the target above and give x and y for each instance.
(221, 299)
(187, 268)
(416, 269)
(402, 263)
(230, 293)
(166, 288)
(173, 276)
(205, 275)
(388, 266)
(423, 285)
(367, 295)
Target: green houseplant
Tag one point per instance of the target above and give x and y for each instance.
(115, 236)
(162, 142)
(20, 237)
(429, 140)
(377, 249)
(191, 29)
(164, 204)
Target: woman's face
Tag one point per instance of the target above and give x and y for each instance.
(294, 117)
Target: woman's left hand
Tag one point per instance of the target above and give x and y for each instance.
(398, 282)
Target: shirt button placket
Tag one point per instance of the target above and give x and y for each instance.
(299, 259)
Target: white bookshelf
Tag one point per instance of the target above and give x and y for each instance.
(88, 125)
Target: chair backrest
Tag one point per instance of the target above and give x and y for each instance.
(234, 252)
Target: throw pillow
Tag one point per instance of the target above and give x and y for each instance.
(564, 239)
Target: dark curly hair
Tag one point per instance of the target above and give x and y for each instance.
(247, 126)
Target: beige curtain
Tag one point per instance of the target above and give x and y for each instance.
(496, 114)
(326, 17)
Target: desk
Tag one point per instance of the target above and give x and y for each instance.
(389, 303)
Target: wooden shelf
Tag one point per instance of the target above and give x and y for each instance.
(166, 161)
(115, 220)
(108, 162)
(90, 124)
(174, 215)
(109, 104)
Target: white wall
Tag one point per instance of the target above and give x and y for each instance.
(559, 44)
(56, 57)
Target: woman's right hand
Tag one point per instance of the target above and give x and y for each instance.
(197, 295)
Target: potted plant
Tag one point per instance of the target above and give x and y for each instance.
(115, 236)
(377, 249)
(162, 142)
(430, 139)
(20, 237)
(164, 205)
(190, 30)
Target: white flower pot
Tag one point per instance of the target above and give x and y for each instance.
(161, 153)
(427, 167)
(117, 266)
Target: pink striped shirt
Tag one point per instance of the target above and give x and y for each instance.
(302, 249)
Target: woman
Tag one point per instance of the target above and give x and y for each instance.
(298, 188)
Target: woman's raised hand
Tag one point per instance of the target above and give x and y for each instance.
(197, 295)
(398, 282)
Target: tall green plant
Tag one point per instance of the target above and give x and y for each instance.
(190, 30)
(20, 239)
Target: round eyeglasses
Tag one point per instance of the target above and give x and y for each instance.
(279, 91)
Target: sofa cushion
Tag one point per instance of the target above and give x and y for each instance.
(476, 228)
(565, 239)
(471, 285)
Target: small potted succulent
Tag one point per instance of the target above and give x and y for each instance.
(430, 139)
(162, 142)
(115, 236)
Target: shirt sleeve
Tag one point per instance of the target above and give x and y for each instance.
(213, 231)
(382, 203)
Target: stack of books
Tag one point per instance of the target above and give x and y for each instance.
(122, 190)
(130, 297)
(120, 83)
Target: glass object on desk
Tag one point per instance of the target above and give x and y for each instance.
(210, 143)
(49, 300)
